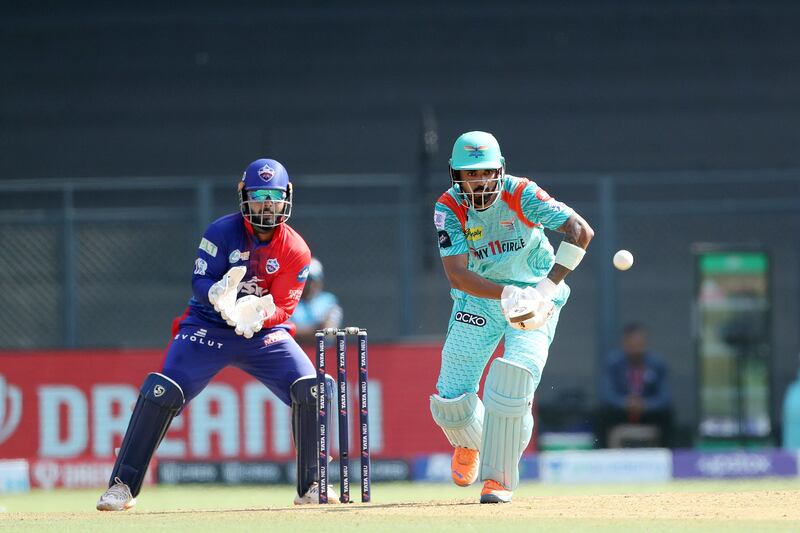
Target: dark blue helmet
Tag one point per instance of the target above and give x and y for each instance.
(265, 194)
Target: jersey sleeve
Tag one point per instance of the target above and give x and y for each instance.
(287, 287)
(211, 263)
(448, 228)
(541, 208)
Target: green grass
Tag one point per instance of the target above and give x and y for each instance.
(409, 507)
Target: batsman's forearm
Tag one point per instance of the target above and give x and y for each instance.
(577, 232)
(475, 285)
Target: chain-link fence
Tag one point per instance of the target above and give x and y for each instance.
(90, 263)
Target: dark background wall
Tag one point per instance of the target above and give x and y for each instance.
(645, 89)
(119, 91)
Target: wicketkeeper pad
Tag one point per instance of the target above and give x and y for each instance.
(508, 424)
(304, 427)
(461, 418)
(159, 401)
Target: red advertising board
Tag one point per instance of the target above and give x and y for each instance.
(75, 405)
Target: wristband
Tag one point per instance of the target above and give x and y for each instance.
(569, 255)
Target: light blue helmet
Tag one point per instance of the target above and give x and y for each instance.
(477, 150)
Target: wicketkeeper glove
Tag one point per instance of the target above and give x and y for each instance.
(222, 294)
(250, 312)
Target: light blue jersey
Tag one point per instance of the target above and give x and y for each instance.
(506, 242)
(507, 245)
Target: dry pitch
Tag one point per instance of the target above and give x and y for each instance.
(761, 505)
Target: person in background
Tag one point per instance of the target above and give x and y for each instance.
(791, 416)
(635, 387)
(317, 309)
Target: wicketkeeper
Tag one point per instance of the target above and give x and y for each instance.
(248, 277)
(507, 282)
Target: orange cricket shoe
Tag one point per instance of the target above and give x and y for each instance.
(494, 492)
(464, 466)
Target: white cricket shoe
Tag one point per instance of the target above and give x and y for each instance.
(312, 495)
(116, 498)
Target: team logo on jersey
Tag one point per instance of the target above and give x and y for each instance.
(438, 219)
(272, 265)
(235, 256)
(507, 224)
(474, 234)
(475, 151)
(469, 318)
(266, 172)
(200, 267)
(303, 274)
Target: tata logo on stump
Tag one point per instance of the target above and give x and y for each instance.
(469, 318)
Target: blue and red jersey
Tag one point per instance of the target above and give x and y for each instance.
(278, 267)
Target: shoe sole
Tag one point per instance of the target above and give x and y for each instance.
(125, 507)
(464, 482)
(493, 498)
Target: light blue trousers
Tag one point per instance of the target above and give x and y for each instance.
(476, 327)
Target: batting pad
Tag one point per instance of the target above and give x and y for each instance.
(508, 424)
(461, 418)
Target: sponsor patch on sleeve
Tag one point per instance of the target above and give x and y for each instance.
(208, 247)
(444, 240)
(303, 274)
(200, 267)
(438, 219)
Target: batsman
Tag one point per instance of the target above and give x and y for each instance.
(507, 282)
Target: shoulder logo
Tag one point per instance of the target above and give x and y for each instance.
(542, 195)
(272, 265)
(444, 240)
(200, 267)
(438, 219)
(208, 247)
(303, 274)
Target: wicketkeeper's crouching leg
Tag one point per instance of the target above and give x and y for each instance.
(160, 399)
(304, 430)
